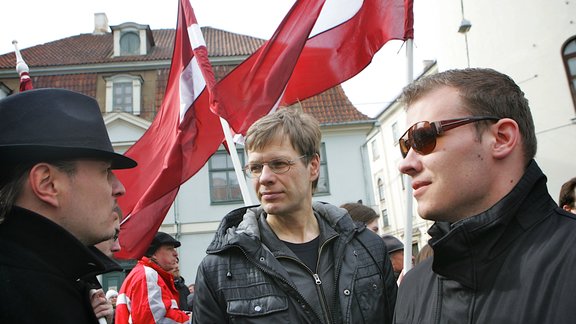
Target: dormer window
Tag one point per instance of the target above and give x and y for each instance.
(132, 39)
(129, 44)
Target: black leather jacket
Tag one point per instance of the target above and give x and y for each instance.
(249, 276)
(514, 263)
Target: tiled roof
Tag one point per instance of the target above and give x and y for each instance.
(329, 107)
(98, 49)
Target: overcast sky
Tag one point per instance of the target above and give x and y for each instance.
(41, 21)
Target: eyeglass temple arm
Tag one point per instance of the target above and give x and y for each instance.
(444, 125)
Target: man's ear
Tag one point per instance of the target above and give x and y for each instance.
(506, 137)
(44, 181)
(567, 208)
(315, 166)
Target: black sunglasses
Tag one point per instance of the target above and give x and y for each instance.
(421, 137)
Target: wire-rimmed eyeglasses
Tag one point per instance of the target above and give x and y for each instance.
(422, 136)
(278, 166)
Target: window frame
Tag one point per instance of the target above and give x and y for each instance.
(566, 58)
(136, 82)
(230, 174)
(323, 172)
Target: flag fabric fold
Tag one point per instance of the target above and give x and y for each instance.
(346, 36)
(182, 137)
(255, 86)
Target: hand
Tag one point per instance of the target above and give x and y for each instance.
(103, 309)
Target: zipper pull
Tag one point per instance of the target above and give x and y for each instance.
(317, 279)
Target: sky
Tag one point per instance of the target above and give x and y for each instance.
(42, 21)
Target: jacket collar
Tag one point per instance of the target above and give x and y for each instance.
(48, 246)
(165, 275)
(246, 227)
(464, 250)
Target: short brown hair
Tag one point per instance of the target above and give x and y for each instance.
(301, 129)
(360, 212)
(567, 194)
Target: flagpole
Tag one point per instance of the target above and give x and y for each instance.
(236, 162)
(409, 199)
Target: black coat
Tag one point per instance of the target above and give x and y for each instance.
(40, 267)
(514, 263)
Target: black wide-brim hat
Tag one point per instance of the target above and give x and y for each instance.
(41, 125)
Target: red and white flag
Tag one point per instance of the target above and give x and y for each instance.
(183, 136)
(255, 86)
(345, 37)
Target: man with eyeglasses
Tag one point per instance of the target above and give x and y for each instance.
(503, 250)
(290, 260)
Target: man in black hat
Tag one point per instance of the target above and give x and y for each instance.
(57, 196)
(395, 252)
(148, 294)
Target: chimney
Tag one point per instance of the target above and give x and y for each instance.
(100, 23)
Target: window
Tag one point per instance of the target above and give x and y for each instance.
(395, 134)
(381, 190)
(122, 97)
(323, 187)
(123, 93)
(385, 222)
(129, 43)
(569, 57)
(375, 150)
(224, 187)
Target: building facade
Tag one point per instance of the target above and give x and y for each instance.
(125, 67)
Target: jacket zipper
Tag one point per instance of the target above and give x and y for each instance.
(286, 282)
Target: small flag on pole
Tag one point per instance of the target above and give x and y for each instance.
(22, 69)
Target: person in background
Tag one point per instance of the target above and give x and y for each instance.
(57, 196)
(424, 253)
(396, 253)
(567, 200)
(363, 214)
(111, 296)
(291, 260)
(105, 252)
(180, 285)
(148, 294)
(190, 298)
(503, 250)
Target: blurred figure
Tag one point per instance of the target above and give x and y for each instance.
(190, 299)
(57, 195)
(112, 245)
(105, 251)
(423, 254)
(396, 252)
(364, 214)
(183, 290)
(148, 294)
(567, 200)
(111, 297)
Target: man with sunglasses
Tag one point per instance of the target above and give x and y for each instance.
(503, 250)
(290, 260)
